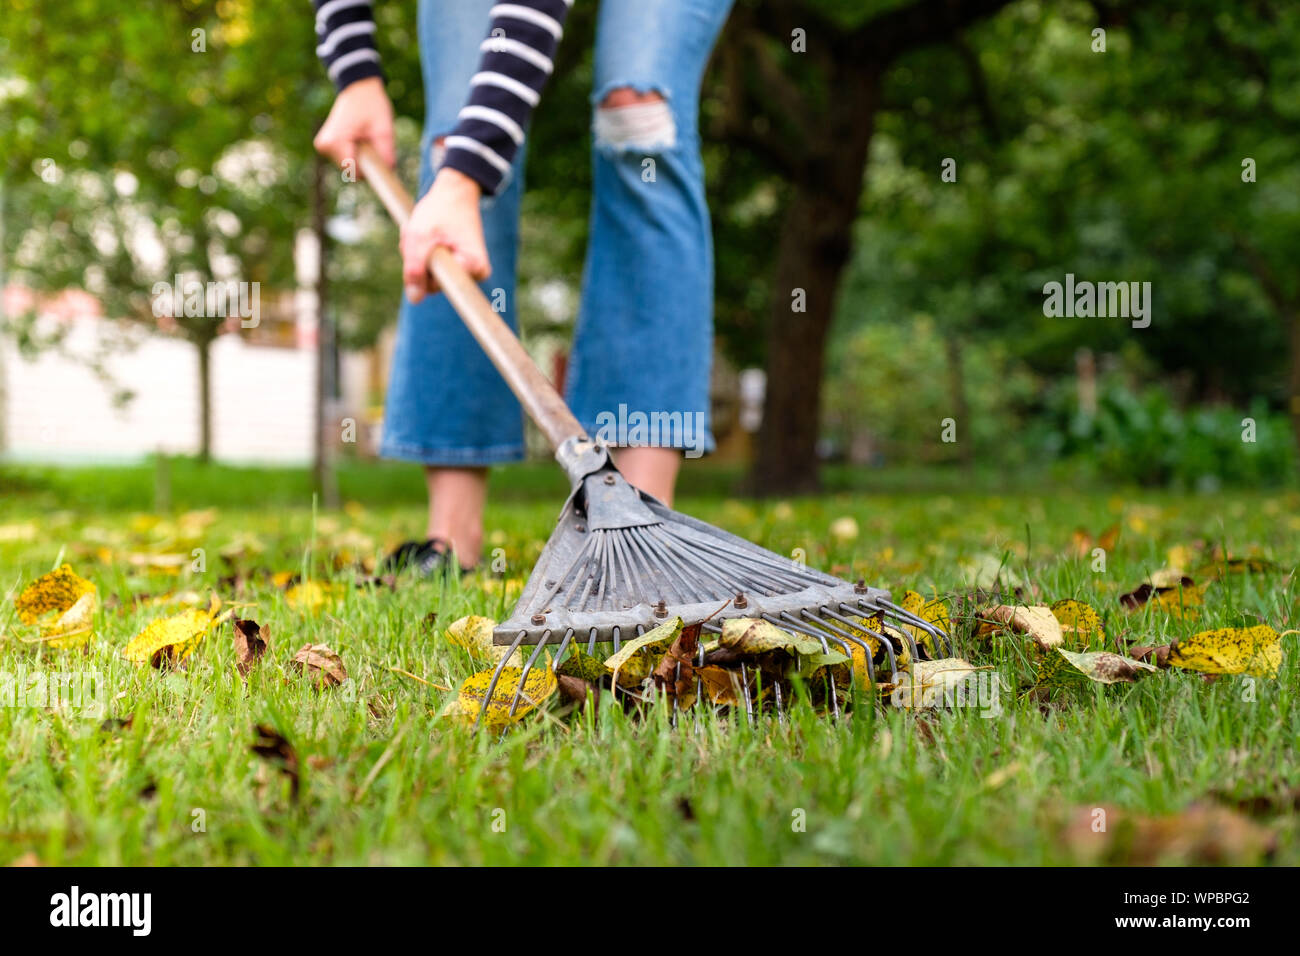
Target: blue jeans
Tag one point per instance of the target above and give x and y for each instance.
(639, 370)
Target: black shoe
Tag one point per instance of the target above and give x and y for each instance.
(425, 558)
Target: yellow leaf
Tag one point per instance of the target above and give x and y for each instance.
(751, 635)
(55, 592)
(1079, 619)
(1230, 650)
(929, 682)
(73, 628)
(474, 634)
(540, 685)
(169, 639)
(936, 612)
(638, 657)
(1036, 621)
(311, 596)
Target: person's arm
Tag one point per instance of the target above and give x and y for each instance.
(517, 59)
(345, 37)
(362, 112)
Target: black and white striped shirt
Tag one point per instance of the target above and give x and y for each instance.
(517, 59)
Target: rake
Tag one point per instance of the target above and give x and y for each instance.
(620, 562)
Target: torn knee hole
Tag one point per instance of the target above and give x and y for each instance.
(631, 120)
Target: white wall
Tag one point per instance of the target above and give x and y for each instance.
(55, 409)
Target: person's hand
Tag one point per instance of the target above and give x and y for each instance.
(447, 216)
(362, 113)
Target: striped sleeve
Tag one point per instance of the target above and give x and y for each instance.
(345, 37)
(517, 58)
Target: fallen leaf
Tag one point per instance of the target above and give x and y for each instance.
(635, 660)
(1181, 599)
(1036, 621)
(321, 664)
(1203, 833)
(1105, 667)
(675, 673)
(540, 685)
(721, 684)
(1145, 653)
(474, 634)
(1078, 619)
(63, 603)
(311, 596)
(935, 611)
(270, 745)
(932, 682)
(1230, 650)
(169, 640)
(750, 636)
(250, 644)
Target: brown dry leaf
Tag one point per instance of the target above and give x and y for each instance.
(574, 690)
(1182, 599)
(1107, 668)
(322, 665)
(1035, 620)
(1157, 655)
(270, 745)
(1203, 833)
(675, 674)
(1082, 543)
(251, 641)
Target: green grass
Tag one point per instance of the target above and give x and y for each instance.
(384, 781)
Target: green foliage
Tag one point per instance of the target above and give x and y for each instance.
(1143, 437)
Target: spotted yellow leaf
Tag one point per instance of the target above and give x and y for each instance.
(474, 634)
(936, 612)
(750, 635)
(928, 683)
(52, 593)
(539, 685)
(1230, 650)
(1079, 620)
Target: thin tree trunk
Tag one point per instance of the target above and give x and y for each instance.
(325, 478)
(204, 345)
(814, 247)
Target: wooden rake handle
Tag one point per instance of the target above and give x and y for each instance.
(539, 398)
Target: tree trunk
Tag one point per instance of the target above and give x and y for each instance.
(814, 247)
(204, 345)
(325, 479)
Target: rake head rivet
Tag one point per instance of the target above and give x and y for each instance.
(860, 587)
(580, 528)
(609, 479)
(740, 601)
(661, 609)
(539, 619)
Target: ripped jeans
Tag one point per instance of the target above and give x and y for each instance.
(639, 369)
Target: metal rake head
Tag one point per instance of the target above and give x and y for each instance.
(620, 562)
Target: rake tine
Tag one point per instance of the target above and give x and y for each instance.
(591, 643)
(496, 676)
(564, 644)
(889, 647)
(846, 636)
(514, 701)
(940, 637)
(672, 556)
(903, 634)
(780, 711)
(785, 620)
(616, 634)
(744, 689)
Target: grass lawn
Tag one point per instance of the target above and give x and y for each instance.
(1184, 768)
